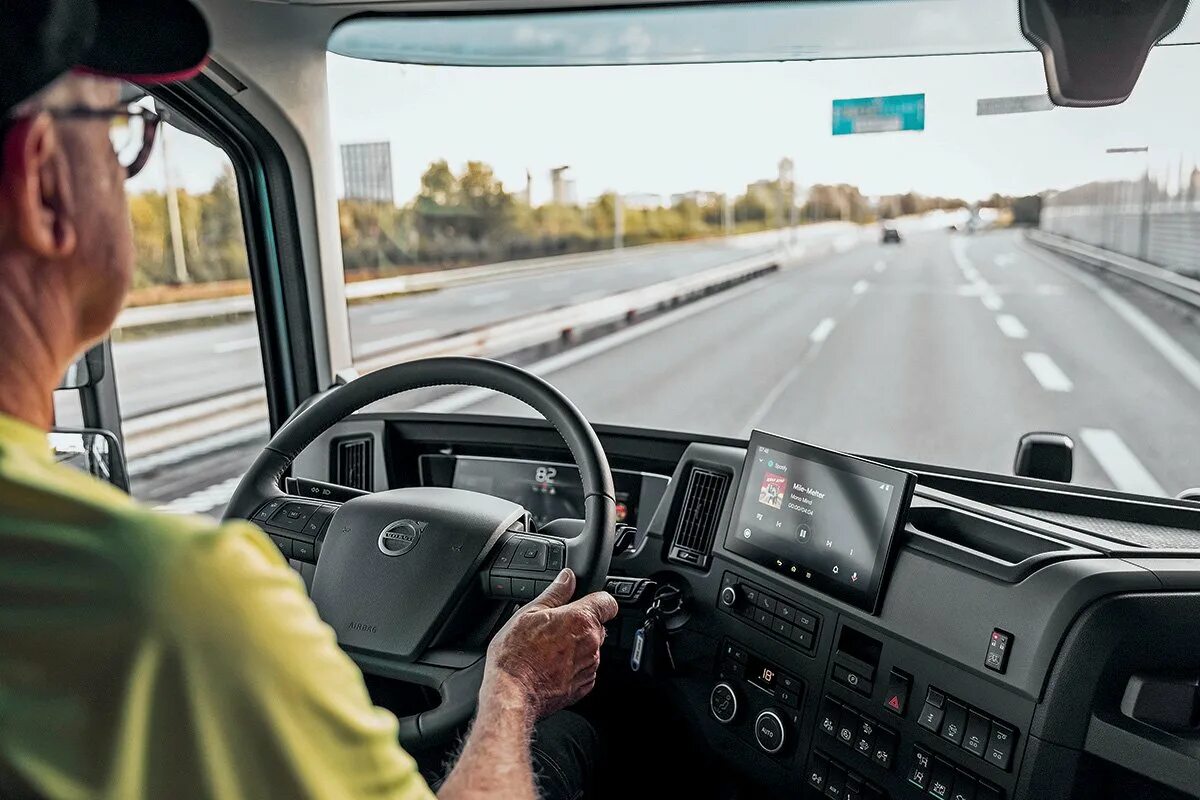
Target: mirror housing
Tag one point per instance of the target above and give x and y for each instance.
(1094, 50)
(91, 450)
(88, 370)
(1049, 456)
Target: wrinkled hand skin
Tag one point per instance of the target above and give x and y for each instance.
(545, 658)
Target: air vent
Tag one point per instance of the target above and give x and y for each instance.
(353, 462)
(699, 515)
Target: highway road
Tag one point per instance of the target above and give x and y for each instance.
(164, 371)
(944, 349)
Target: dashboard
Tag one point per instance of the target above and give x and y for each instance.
(859, 628)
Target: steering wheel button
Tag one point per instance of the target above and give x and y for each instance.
(302, 550)
(284, 544)
(500, 587)
(530, 557)
(267, 509)
(554, 558)
(524, 588)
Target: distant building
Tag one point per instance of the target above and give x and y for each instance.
(642, 200)
(562, 188)
(367, 172)
(697, 197)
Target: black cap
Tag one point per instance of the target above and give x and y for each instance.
(143, 41)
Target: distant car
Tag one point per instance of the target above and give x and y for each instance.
(891, 235)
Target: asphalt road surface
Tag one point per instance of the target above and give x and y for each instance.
(943, 349)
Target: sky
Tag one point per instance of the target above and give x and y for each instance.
(717, 127)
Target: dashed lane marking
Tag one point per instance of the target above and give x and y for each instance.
(1047, 372)
(1011, 326)
(823, 329)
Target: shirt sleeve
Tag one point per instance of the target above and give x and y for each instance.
(254, 697)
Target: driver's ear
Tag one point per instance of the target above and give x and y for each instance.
(36, 182)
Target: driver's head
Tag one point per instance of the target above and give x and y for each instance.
(66, 252)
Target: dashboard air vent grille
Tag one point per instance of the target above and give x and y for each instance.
(699, 515)
(353, 462)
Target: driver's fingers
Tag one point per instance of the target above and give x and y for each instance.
(601, 605)
(557, 593)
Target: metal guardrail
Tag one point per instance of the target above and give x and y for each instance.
(1164, 281)
(1165, 234)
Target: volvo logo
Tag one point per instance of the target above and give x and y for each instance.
(400, 537)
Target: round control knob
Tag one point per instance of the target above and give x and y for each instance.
(729, 596)
(723, 703)
(769, 731)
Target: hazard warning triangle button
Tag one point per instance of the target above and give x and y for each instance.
(896, 697)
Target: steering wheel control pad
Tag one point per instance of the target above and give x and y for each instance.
(295, 526)
(524, 567)
(393, 564)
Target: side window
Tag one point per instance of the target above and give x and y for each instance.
(186, 348)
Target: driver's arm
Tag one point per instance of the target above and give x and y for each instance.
(246, 694)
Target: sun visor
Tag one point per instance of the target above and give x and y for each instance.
(1094, 50)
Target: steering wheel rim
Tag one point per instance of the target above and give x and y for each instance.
(588, 554)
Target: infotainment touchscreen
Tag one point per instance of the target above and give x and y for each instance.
(821, 518)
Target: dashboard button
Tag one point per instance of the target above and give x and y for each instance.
(941, 778)
(801, 637)
(954, 725)
(818, 768)
(829, 717)
(931, 714)
(854, 788)
(997, 650)
(918, 773)
(769, 732)
(781, 627)
(723, 704)
(835, 781)
(789, 683)
(847, 726)
(785, 612)
(766, 602)
(763, 618)
(864, 743)
(805, 620)
(885, 747)
(789, 698)
(751, 596)
(964, 786)
(976, 739)
(896, 698)
(852, 679)
(1000, 746)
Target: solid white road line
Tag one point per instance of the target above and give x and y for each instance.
(567, 358)
(1160, 340)
(1047, 372)
(235, 345)
(1011, 326)
(861, 287)
(823, 329)
(1119, 463)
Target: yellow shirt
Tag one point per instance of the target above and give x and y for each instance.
(153, 656)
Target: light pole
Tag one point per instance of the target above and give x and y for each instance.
(1144, 226)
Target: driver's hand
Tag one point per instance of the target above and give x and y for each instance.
(546, 656)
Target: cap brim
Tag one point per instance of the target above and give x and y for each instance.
(160, 41)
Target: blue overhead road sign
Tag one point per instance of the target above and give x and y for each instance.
(898, 112)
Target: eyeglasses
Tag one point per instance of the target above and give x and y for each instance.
(131, 131)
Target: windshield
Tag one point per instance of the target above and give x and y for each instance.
(865, 254)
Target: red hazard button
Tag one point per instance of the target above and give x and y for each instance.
(895, 699)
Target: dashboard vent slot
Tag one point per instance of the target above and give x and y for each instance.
(354, 462)
(699, 515)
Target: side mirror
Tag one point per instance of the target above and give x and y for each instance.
(91, 450)
(1049, 456)
(87, 371)
(1094, 50)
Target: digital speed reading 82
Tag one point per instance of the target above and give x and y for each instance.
(821, 518)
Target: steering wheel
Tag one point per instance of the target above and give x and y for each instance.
(394, 565)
